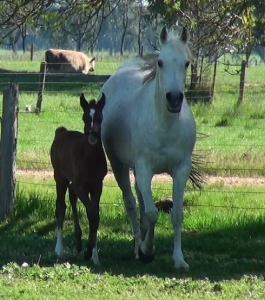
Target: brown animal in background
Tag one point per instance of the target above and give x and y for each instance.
(59, 60)
(79, 164)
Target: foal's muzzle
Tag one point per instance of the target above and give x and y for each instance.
(174, 101)
(93, 137)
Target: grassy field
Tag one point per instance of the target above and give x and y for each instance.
(223, 230)
(223, 241)
(233, 146)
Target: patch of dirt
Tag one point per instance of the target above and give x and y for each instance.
(233, 180)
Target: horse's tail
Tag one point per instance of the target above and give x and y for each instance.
(198, 175)
(60, 130)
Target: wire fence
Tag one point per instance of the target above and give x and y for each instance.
(242, 140)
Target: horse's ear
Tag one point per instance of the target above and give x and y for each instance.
(92, 59)
(184, 35)
(101, 102)
(163, 35)
(83, 102)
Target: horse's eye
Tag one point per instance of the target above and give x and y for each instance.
(160, 63)
(187, 64)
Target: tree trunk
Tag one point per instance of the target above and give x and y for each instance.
(125, 26)
(139, 37)
(23, 37)
(194, 76)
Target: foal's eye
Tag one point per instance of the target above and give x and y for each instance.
(160, 63)
(187, 64)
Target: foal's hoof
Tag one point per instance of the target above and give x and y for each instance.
(88, 254)
(146, 259)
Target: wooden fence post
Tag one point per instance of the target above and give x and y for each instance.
(141, 51)
(214, 79)
(9, 129)
(41, 87)
(31, 51)
(242, 82)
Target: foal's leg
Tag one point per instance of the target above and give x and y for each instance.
(143, 176)
(180, 176)
(121, 173)
(82, 190)
(77, 229)
(61, 187)
(95, 194)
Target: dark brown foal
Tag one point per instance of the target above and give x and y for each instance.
(79, 164)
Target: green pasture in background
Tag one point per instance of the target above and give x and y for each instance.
(230, 138)
(223, 228)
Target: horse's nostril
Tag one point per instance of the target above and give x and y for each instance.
(174, 98)
(181, 97)
(174, 101)
(168, 96)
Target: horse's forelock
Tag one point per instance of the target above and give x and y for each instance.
(92, 102)
(176, 38)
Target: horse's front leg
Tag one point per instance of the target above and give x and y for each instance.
(95, 195)
(143, 176)
(77, 228)
(92, 211)
(180, 176)
(61, 187)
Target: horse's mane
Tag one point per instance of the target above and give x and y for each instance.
(149, 65)
(149, 61)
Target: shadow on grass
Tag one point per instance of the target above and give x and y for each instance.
(71, 83)
(227, 253)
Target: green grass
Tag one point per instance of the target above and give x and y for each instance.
(223, 241)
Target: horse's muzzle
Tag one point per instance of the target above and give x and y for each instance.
(93, 137)
(174, 102)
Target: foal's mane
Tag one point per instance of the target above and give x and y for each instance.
(149, 61)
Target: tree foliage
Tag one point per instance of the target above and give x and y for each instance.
(215, 25)
(50, 13)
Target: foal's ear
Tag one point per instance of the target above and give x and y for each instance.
(184, 35)
(163, 35)
(101, 102)
(83, 102)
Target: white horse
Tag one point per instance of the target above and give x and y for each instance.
(149, 127)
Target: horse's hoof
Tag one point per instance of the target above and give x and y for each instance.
(182, 265)
(146, 259)
(88, 254)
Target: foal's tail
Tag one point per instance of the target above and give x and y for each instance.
(60, 130)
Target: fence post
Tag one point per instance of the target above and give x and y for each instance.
(242, 82)
(41, 87)
(141, 51)
(214, 79)
(31, 51)
(9, 131)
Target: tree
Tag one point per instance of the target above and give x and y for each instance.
(50, 13)
(23, 30)
(125, 23)
(215, 25)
